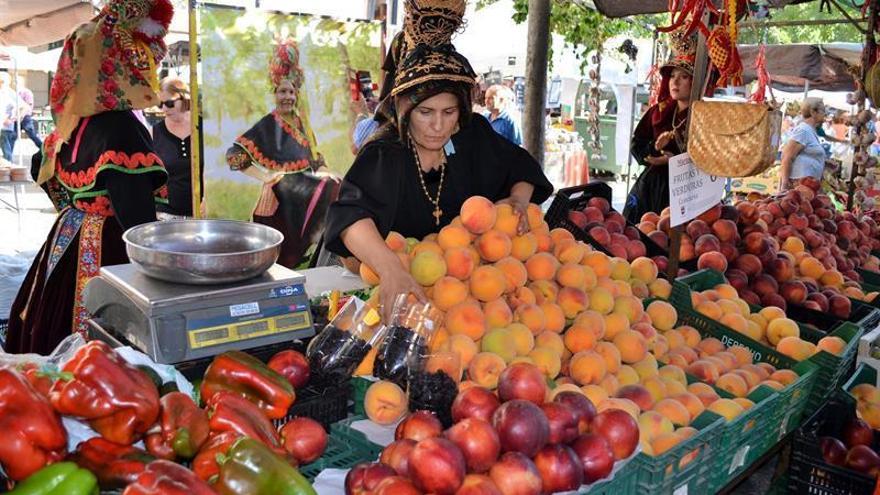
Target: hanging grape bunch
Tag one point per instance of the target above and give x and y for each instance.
(631, 51)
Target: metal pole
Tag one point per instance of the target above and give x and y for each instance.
(536, 78)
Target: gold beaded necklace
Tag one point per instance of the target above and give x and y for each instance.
(437, 213)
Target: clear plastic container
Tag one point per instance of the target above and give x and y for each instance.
(406, 343)
(335, 353)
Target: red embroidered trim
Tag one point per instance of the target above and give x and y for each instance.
(99, 205)
(292, 131)
(76, 180)
(88, 265)
(269, 163)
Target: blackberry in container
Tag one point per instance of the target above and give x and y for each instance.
(407, 340)
(335, 353)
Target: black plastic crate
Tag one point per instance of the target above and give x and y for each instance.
(195, 370)
(576, 198)
(808, 471)
(325, 405)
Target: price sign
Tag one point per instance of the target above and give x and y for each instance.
(691, 191)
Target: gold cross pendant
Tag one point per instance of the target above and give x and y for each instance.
(437, 214)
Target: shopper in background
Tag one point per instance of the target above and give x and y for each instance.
(10, 105)
(27, 122)
(365, 124)
(498, 100)
(803, 154)
(172, 143)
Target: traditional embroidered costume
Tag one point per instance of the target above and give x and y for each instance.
(99, 166)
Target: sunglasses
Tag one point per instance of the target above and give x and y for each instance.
(168, 103)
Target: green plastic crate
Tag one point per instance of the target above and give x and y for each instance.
(688, 464)
(624, 482)
(346, 447)
(864, 373)
(832, 370)
(359, 386)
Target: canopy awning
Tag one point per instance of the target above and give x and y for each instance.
(624, 8)
(38, 22)
(825, 67)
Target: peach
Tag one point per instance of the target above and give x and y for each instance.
(544, 242)
(673, 373)
(449, 292)
(663, 315)
(691, 402)
(674, 387)
(620, 269)
(785, 377)
(614, 324)
(865, 392)
(599, 262)
(674, 339)
(522, 337)
(396, 242)
(546, 360)
(594, 321)
(610, 383)
(497, 314)
(729, 359)
(831, 344)
(572, 301)
(522, 295)
(466, 319)
(601, 301)
(531, 316)
(464, 347)
(368, 275)
(726, 408)
(780, 328)
(439, 341)
(704, 370)
(770, 383)
(709, 309)
(542, 266)
(559, 235)
(812, 268)
(638, 394)
(500, 341)
(714, 260)
(514, 272)
(646, 367)
(627, 375)
(659, 347)
(735, 322)
(493, 245)
(674, 410)
(487, 283)
(485, 368)
(535, 216)
(385, 402)
(544, 291)
(459, 263)
(656, 387)
(427, 268)
(595, 393)
(478, 214)
(453, 236)
(611, 355)
(426, 245)
(554, 318)
(632, 346)
(760, 371)
(733, 384)
(629, 306)
(522, 247)
(709, 347)
(570, 251)
(550, 340)
(624, 405)
(660, 288)
(666, 442)
(794, 348)
(743, 355)
(771, 313)
(587, 367)
(579, 338)
(652, 424)
(571, 275)
(745, 403)
(506, 220)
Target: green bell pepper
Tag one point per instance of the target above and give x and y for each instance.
(251, 468)
(61, 478)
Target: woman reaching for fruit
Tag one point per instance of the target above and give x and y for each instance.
(662, 133)
(430, 154)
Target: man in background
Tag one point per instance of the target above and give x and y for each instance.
(27, 122)
(498, 99)
(9, 103)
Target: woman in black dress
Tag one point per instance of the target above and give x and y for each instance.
(430, 155)
(171, 138)
(99, 166)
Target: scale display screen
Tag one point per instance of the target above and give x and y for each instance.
(227, 333)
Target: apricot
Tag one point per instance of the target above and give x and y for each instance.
(674, 410)
(710, 310)
(493, 245)
(428, 267)
(709, 347)
(610, 383)
(663, 315)
(785, 377)
(601, 301)
(569, 251)
(665, 442)
(726, 291)
(704, 370)
(544, 241)
(497, 314)
(449, 292)
(762, 372)
(531, 316)
(544, 291)
(514, 273)
(733, 384)
(571, 275)
(812, 268)
(594, 321)
(632, 346)
(367, 274)
(466, 319)
(625, 405)
(620, 269)
(743, 355)
(831, 344)
(599, 262)
(522, 247)
(522, 295)
(627, 375)
(579, 338)
(595, 393)
(865, 392)
(656, 387)
(485, 369)
(750, 377)
(771, 313)
(653, 424)
(590, 279)
(506, 220)
(552, 341)
(780, 328)
(646, 367)
(691, 402)
(629, 306)
(487, 283)
(535, 216)
(729, 360)
(459, 263)
(546, 360)
(660, 288)
(869, 412)
(794, 348)
(745, 403)
(659, 347)
(385, 402)
(464, 347)
(587, 367)
(644, 269)
(614, 324)
(726, 408)
(770, 383)
(572, 301)
(396, 242)
(674, 339)
(674, 387)
(542, 266)
(478, 214)
(554, 318)
(559, 235)
(453, 236)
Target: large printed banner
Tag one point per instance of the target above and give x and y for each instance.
(236, 46)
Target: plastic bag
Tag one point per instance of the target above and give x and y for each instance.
(53, 362)
(405, 347)
(335, 353)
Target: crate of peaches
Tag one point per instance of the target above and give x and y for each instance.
(707, 302)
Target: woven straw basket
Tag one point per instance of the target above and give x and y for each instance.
(733, 139)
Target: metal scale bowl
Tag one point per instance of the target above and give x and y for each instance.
(197, 288)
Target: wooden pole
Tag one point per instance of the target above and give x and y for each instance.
(536, 78)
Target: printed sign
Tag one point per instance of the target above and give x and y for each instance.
(691, 191)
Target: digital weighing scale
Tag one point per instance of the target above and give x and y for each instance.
(176, 323)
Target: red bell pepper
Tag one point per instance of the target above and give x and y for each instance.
(119, 401)
(167, 478)
(182, 429)
(247, 376)
(115, 465)
(31, 433)
(40, 380)
(205, 464)
(231, 412)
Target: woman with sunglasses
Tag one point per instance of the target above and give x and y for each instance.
(172, 143)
